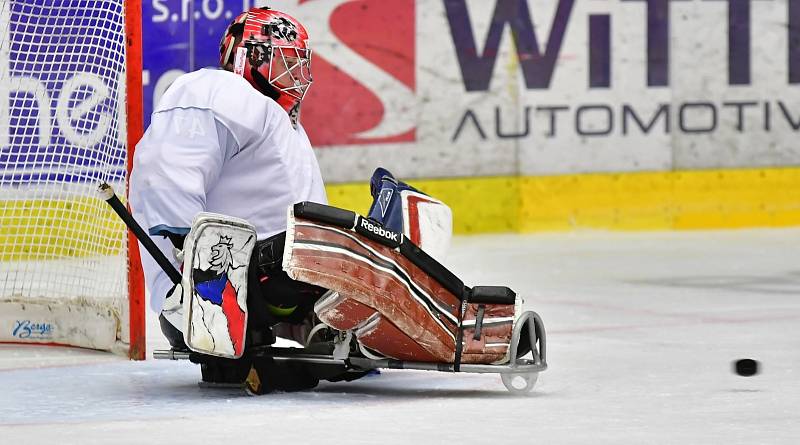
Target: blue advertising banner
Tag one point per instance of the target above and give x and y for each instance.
(60, 91)
(181, 36)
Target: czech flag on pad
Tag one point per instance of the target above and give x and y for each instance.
(219, 291)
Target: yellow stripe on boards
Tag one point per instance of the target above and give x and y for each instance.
(741, 198)
(715, 199)
(479, 205)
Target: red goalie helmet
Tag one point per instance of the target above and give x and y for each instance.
(270, 50)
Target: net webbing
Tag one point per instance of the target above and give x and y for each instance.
(62, 115)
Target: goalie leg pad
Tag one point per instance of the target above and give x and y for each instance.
(341, 312)
(487, 332)
(383, 336)
(393, 306)
(374, 277)
(372, 330)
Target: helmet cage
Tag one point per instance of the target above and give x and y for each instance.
(289, 69)
(292, 75)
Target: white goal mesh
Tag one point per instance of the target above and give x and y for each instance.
(63, 255)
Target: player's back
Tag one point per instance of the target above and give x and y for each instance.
(264, 164)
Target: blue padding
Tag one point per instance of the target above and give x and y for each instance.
(211, 290)
(387, 207)
(164, 230)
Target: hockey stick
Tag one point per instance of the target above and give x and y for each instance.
(108, 195)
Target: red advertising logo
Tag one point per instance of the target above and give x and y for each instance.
(364, 71)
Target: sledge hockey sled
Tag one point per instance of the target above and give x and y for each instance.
(454, 328)
(519, 375)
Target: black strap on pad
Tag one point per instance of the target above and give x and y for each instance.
(479, 322)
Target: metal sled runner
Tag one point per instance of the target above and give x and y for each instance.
(529, 328)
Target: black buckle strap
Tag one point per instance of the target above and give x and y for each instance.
(479, 322)
(485, 295)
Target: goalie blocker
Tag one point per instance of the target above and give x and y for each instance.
(398, 301)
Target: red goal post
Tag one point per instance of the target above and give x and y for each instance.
(134, 111)
(70, 117)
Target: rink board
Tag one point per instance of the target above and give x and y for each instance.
(473, 88)
(717, 199)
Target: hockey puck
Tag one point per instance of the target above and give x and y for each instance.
(746, 367)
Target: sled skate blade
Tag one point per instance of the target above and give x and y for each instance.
(512, 382)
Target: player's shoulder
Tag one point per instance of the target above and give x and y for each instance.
(198, 89)
(247, 113)
(210, 78)
(220, 91)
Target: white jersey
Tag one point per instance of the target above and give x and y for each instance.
(216, 144)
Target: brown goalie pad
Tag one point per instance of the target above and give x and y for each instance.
(397, 301)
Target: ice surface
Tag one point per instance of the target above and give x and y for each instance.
(642, 332)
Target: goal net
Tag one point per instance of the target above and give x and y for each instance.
(64, 269)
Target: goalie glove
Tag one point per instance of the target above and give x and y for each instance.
(425, 220)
